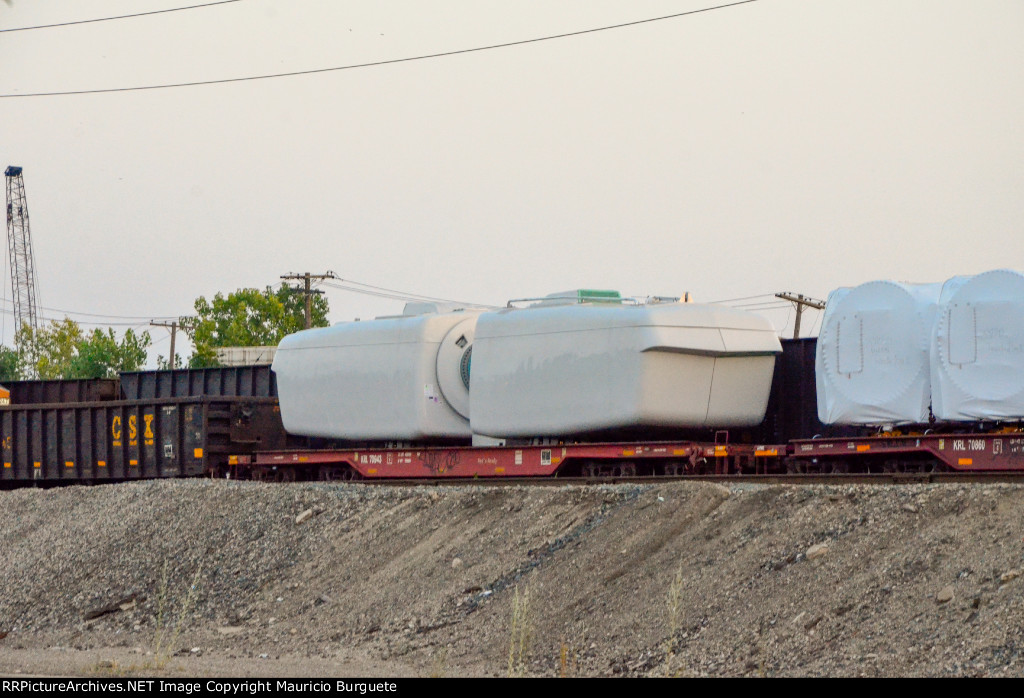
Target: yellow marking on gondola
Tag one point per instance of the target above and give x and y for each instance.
(198, 453)
(499, 471)
(69, 464)
(863, 447)
(965, 461)
(133, 462)
(101, 463)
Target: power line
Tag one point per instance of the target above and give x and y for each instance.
(115, 317)
(101, 315)
(400, 296)
(760, 306)
(372, 64)
(47, 318)
(744, 298)
(403, 294)
(107, 19)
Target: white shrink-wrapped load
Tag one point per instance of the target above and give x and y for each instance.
(872, 359)
(572, 369)
(403, 378)
(978, 348)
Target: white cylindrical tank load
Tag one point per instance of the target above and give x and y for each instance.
(560, 370)
(978, 348)
(403, 378)
(872, 359)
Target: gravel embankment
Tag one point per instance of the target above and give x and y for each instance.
(204, 577)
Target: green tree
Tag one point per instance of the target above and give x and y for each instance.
(49, 350)
(62, 350)
(10, 364)
(248, 318)
(101, 355)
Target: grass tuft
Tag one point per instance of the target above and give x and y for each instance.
(168, 631)
(521, 634)
(674, 606)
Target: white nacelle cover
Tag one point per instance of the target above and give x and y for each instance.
(978, 348)
(573, 369)
(390, 379)
(872, 359)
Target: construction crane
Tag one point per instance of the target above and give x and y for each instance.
(19, 241)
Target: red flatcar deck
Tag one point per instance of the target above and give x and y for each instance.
(518, 461)
(964, 452)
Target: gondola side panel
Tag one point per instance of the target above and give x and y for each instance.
(194, 427)
(118, 436)
(168, 434)
(9, 470)
(64, 445)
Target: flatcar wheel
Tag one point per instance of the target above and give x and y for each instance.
(286, 475)
(893, 466)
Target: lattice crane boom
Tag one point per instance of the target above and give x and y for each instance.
(19, 241)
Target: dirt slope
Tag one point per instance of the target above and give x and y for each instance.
(219, 578)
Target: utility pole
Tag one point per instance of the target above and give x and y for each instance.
(173, 326)
(800, 301)
(308, 291)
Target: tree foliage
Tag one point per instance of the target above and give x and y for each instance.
(101, 355)
(48, 351)
(248, 317)
(10, 364)
(62, 350)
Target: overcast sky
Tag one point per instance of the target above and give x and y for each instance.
(779, 145)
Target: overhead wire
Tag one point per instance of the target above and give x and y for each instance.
(390, 61)
(774, 303)
(108, 19)
(99, 315)
(398, 295)
(406, 294)
(817, 322)
(402, 295)
(745, 298)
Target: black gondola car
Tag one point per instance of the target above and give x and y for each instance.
(133, 439)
